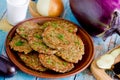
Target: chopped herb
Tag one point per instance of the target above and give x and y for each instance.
(38, 36)
(49, 61)
(54, 25)
(43, 45)
(77, 42)
(64, 63)
(60, 36)
(19, 43)
(40, 44)
(21, 29)
(24, 35)
(70, 30)
(66, 42)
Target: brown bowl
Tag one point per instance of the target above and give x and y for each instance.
(80, 66)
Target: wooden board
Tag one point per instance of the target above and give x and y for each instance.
(99, 73)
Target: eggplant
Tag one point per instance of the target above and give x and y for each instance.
(7, 68)
(94, 15)
(116, 69)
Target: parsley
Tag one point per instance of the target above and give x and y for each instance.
(21, 29)
(60, 36)
(64, 63)
(49, 61)
(19, 43)
(77, 42)
(38, 36)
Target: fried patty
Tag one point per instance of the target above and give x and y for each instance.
(61, 23)
(54, 63)
(36, 42)
(25, 28)
(20, 44)
(74, 52)
(31, 60)
(56, 38)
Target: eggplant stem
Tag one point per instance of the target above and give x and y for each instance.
(114, 26)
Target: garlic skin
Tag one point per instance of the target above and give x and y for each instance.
(52, 8)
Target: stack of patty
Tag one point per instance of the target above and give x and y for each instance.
(53, 45)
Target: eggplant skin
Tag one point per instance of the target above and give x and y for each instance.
(7, 68)
(93, 15)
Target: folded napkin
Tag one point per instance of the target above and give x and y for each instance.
(5, 26)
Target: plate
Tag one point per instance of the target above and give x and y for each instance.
(80, 66)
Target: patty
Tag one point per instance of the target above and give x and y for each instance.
(31, 60)
(36, 42)
(54, 63)
(20, 44)
(61, 23)
(74, 52)
(25, 28)
(56, 38)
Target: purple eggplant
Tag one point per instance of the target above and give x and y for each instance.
(6, 67)
(116, 69)
(94, 15)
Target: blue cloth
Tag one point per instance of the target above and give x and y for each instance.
(2, 39)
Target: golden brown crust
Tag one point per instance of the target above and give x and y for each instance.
(36, 42)
(19, 44)
(56, 38)
(24, 29)
(54, 63)
(31, 60)
(67, 26)
(74, 52)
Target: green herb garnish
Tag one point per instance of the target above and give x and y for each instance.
(19, 43)
(77, 42)
(64, 63)
(60, 36)
(21, 29)
(24, 35)
(49, 61)
(54, 25)
(38, 36)
(70, 30)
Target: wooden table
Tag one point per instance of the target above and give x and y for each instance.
(100, 46)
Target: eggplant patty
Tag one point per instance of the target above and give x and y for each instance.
(36, 42)
(54, 63)
(56, 38)
(74, 52)
(25, 28)
(20, 44)
(62, 24)
(31, 60)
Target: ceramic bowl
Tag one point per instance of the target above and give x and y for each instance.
(80, 66)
